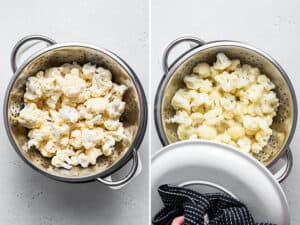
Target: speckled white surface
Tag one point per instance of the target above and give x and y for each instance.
(272, 26)
(28, 198)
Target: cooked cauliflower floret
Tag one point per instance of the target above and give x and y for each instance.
(222, 62)
(202, 70)
(228, 82)
(181, 100)
(196, 83)
(73, 113)
(228, 102)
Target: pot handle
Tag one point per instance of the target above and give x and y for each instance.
(134, 172)
(208, 184)
(284, 172)
(166, 53)
(24, 40)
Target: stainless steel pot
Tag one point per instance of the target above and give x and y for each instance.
(284, 122)
(55, 55)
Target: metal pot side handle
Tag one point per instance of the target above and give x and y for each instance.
(134, 171)
(166, 53)
(285, 171)
(24, 40)
(208, 184)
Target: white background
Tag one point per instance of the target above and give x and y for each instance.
(28, 198)
(272, 26)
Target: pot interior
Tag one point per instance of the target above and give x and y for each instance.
(282, 123)
(56, 57)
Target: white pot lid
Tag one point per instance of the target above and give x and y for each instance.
(230, 169)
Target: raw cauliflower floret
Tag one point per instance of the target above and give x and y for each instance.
(73, 113)
(115, 108)
(96, 105)
(33, 89)
(71, 85)
(69, 114)
(62, 158)
(90, 138)
(32, 117)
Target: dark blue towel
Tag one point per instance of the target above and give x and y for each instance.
(220, 209)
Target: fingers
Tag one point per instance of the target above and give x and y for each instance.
(178, 221)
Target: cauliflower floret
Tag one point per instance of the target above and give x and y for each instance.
(257, 147)
(213, 116)
(76, 139)
(101, 84)
(181, 117)
(227, 102)
(97, 120)
(202, 70)
(207, 132)
(266, 82)
(236, 132)
(112, 124)
(181, 100)
(186, 132)
(59, 131)
(196, 118)
(90, 138)
(88, 71)
(96, 105)
(118, 91)
(222, 62)
(52, 100)
(228, 82)
(108, 146)
(71, 85)
(235, 65)
(84, 106)
(93, 154)
(33, 89)
(254, 92)
(115, 108)
(198, 99)
(224, 137)
(32, 117)
(62, 158)
(83, 112)
(244, 144)
(197, 83)
(69, 114)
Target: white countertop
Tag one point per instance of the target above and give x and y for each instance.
(29, 198)
(272, 26)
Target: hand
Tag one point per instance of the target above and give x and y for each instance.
(178, 221)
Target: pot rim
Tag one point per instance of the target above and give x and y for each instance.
(189, 53)
(143, 113)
